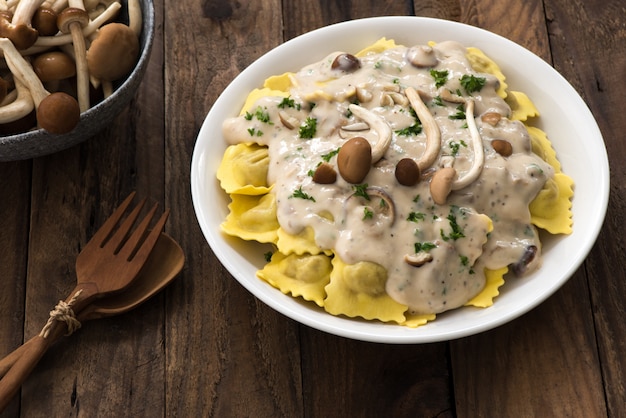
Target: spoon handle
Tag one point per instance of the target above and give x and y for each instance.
(21, 369)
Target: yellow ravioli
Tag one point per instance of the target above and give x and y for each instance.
(358, 290)
(243, 169)
(551, 209)
(522, 107)
(299, 275)
(483, 64)
(495, 279)
(252, 218)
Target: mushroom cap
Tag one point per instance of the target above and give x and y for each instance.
(114, 52)
(45, 21)
(58, 113)
(23, 36)
(54, 65)
(441, 184)
(71, 15)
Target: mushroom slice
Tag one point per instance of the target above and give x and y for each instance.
(477, 144)
(431, 129)
(385, 206)
(418, 259)
(443, 181)
(377, 124)
(290, 122)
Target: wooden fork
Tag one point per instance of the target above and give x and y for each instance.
(107, 264)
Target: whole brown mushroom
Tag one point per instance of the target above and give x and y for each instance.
(113, 53)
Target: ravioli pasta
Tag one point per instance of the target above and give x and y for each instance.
(312, 257)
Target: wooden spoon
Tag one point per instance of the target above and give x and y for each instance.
(162, 266)
(107, 264)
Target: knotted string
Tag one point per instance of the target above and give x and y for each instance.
(63, 312)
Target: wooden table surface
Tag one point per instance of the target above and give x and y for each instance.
(205, 347)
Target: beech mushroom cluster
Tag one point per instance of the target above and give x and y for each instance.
(61, 57)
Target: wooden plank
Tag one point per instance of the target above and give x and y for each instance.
(227, 354)
(351, 377)
(14, 220)
(513, 371)
(586, 39)
(107, 365)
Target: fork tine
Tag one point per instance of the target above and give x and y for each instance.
(145, 248)
(132, 243)
(116, 241)
(106, 229)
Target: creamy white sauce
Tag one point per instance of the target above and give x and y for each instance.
(360, 230)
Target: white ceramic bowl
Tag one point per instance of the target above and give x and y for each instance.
(39, 142)
(564, 116)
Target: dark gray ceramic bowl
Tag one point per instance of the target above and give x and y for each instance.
(38, 142)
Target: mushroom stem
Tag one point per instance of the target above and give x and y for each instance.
(23, 71)
(20, 107)
(477, 144)
(92, 26)
(24, 11)
(73, 20)
(431, 129)
(135, 20)
(377, 124)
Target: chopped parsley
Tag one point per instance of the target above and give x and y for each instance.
(457, 231)
(460, 113)
(261, 114)
(308, 128)
(289, 102)
(255, 132)
(455, 146)
(298, 193)
(438, 101)
(416, 216)
(367, 213)
(327, 157)
(268, 256)
(424, 246)
(361, 190)
(472, 83)
(441, 77)
(414, 129)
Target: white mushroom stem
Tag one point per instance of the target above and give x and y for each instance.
(135, 20)
(23, 71)
(91, 28)
(430, 127)
(80, 56)
(24, 11)
(18, 108)
(477, 144)
(377, 124)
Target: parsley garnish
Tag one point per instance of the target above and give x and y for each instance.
(302, 195)
(255, 132)
(460, 113)
(454, 146)
(456, 233)
(367, 213)
(424, 246)
(437, 100)
(440, 77)
(414, 129)
(472, 83)
(327, 157)
(289, 102)
(307, 130)
(416, 216)
(361, 190)
(268, 256)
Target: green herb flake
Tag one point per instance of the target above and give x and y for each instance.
(308, 128)
(268, 256)
(472, 83)
(460, 113)
(361, 190)
(441, 77)
(367, 213)
(327, 157)
(298, 193)
(289, 102)
(255, 132)
(416, 217)
(457, 231)
(424, 246)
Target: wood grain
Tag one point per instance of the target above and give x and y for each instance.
(205, 346)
